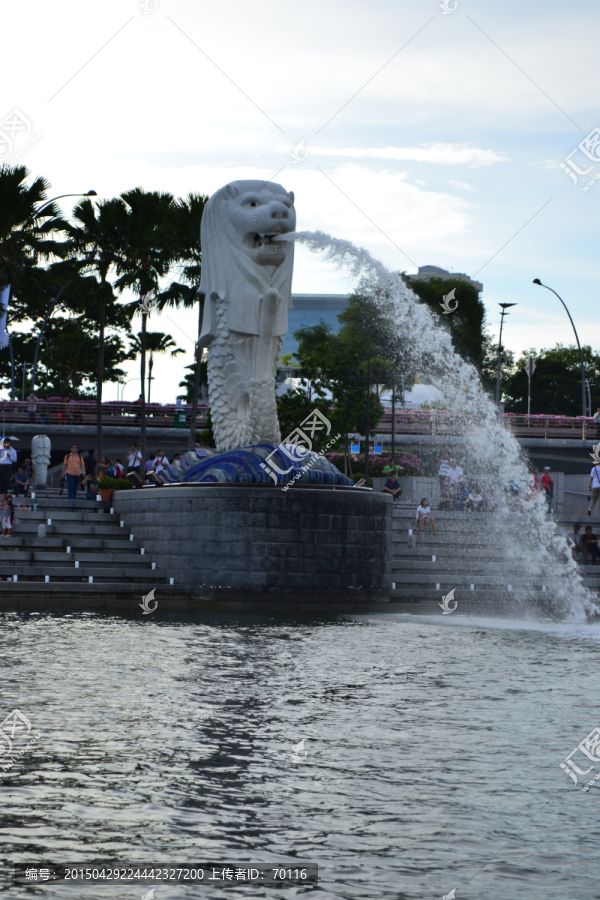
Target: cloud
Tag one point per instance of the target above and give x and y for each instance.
(432, 152)
(545, 164)
(461, 184)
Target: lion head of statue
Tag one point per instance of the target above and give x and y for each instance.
(241, 256)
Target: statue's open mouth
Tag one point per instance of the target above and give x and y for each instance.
(266, 250)
(255, 240)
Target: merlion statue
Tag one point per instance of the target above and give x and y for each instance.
(40, 459)
(247, 285)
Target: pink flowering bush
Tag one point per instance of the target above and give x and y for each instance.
(406, 463)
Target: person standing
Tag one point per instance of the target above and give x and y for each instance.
(73, 469)
(90, 462)
(7, 518)
(443, 469)
(8, 458)
(32, 406)
(547, 486)
(594, 488)
(133, 461)
(160, 463)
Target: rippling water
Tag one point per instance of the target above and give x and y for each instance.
(433, 751)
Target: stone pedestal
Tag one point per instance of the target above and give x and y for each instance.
(308, 544)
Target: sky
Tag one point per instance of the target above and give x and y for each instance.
(431, 135)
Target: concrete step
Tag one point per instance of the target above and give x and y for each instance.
(75, 528)
(102, 556)
(482, 567)
(458, 579)
(55, 502)
(69, 573)
(64, 515)
(446, 552)
(421, 595)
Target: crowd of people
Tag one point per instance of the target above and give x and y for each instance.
(455, 494)
(87, 472)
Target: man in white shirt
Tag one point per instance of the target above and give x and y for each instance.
(453, 481)
(8, 457)
(160, 463)
(455, 474)
(133, 460)
(594, 487)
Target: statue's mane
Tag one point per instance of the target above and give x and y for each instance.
(228, 272)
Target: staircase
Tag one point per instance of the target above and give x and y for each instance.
(88, 552)
(464, 557)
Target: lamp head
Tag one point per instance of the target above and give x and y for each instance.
(537, 281)
(91, 194)
(506, 305)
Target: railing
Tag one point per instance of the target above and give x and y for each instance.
(415, 421)
(440, 422)
(83, 412)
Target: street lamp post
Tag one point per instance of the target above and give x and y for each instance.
(504, 306)
(36, 212)
(368, 422)
(583, 401)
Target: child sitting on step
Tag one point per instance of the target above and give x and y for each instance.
(424, 516)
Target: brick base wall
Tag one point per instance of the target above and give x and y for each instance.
(230, 541)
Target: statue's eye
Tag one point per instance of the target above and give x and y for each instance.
(254, 203)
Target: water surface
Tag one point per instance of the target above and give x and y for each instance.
(433, 750)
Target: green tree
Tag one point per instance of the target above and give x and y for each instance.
(466, 324)
(184, 235)
(189, 380)
(28, 229)
(146, 254)
(156, 343)
(335, 366)
(93, 242)
(556, 382)
(489, 367)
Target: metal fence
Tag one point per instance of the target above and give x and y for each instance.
(83, 412)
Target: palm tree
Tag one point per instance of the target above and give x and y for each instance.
(27, 228)
(145, 255)
(156, 342)
(94, 240)
(185, 218)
